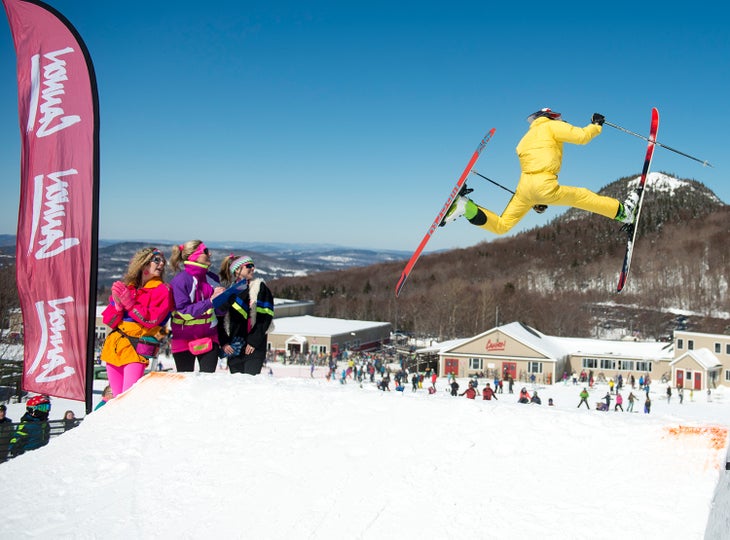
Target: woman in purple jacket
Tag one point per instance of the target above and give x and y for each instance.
(194, 320)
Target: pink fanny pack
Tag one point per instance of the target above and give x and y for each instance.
(148, 347)
(145, 346)
(200, 346)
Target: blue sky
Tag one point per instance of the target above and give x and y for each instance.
(325, 122)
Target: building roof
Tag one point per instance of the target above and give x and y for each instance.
(703, 357)
(437, 347)
(559, 347)
(309, 325)
(650, 350)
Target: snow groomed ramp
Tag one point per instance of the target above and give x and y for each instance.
(199, 455)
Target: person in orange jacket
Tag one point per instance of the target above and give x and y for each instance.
(541, 154)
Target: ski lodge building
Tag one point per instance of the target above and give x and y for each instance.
(692, 360)
(321, 335)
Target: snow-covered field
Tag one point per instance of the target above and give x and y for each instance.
(287, 456)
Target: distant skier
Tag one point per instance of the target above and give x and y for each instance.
(631, 398)
(619, 402)
(584, 398)
(488, 393)
(541, 154)
(6, 433)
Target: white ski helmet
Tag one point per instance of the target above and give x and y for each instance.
(552, 115)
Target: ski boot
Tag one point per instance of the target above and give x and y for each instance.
(458, 207)
(627, 209)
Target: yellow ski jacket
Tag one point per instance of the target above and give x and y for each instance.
(541, 149)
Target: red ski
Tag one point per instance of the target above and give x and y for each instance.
(632, 228)
(454, 192)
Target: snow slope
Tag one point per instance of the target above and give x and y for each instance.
(200, 455)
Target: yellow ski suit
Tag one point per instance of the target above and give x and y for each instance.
(541, 155)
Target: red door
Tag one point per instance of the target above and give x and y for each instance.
(680, 378)
(451, 365)
(509, 369)
(698, 380)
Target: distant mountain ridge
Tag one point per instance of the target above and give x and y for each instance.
(273, 260)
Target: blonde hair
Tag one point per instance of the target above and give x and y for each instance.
(225, 270)
(182, 252)
(139, 260)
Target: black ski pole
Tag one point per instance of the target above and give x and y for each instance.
(492, 181)
(704, 162)
(539, 208)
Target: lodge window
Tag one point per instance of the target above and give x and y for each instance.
(626, 365)
(727, 348)
(727, 375)
(607, 363)
(590, 363)
(643, 366)
(718, 348)
(534, 367)
(476, 363)
(688, 375)
(680, 343)
(690, 344)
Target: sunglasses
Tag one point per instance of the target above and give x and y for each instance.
(206, 251)
(158, 260)
(248, 265)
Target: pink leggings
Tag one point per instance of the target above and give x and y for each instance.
(121, 378)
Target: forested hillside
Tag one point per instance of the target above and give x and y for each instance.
(559, 278)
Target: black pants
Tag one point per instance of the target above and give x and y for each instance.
(249, 364)
(185, 360)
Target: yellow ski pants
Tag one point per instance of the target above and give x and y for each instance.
(543, 188)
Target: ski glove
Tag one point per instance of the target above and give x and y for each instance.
(598, 119)
(122, 296)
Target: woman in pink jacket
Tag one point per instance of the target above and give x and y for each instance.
(137, 312)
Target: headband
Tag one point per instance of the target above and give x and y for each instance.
(195, 255)
(238, 263)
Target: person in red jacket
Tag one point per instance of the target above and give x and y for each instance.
(488, 393)
(469, 392)
(524, 396)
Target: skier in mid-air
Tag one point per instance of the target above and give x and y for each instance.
(541, 153)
